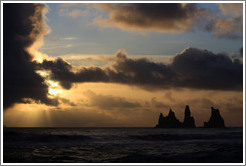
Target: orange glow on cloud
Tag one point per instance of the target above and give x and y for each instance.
(88, 113)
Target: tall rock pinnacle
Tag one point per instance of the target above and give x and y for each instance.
(189, 121)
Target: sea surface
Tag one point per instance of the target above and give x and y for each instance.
(122, 145)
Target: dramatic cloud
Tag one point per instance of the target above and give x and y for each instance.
(23, 26)
(61, 71)
(166, 17)
(204, 69)
(192, 68)
(24, 29)
(163, 17)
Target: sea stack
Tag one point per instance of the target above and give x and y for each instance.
(189, 121)
(169, 121)
(215, 121)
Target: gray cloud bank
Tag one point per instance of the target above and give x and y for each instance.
(193, 68)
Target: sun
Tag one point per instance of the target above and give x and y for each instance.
(52, 84)
(54, 92)
(53, 88)
(43, 73)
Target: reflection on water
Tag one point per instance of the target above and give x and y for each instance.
(122, 145)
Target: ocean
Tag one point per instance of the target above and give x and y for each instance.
(122, 145)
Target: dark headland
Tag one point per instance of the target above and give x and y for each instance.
(170, 121)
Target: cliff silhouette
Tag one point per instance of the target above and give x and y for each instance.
(170, 121)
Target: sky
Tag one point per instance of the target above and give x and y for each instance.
(121, 65)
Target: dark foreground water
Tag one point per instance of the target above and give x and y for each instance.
(122, 145)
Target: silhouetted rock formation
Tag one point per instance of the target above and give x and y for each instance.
(215, 121)
(169, 121)
(172, 122)
(189, 121)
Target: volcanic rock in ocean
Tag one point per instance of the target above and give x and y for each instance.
(169, 121)
(215, 121)
(189, 121)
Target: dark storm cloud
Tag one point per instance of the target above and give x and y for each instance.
(165, 17)
(61, 71)
(193, 68)
(226, 22)
(22, 26)
(205, 70)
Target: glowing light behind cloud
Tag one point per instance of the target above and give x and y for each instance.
(98, 104)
